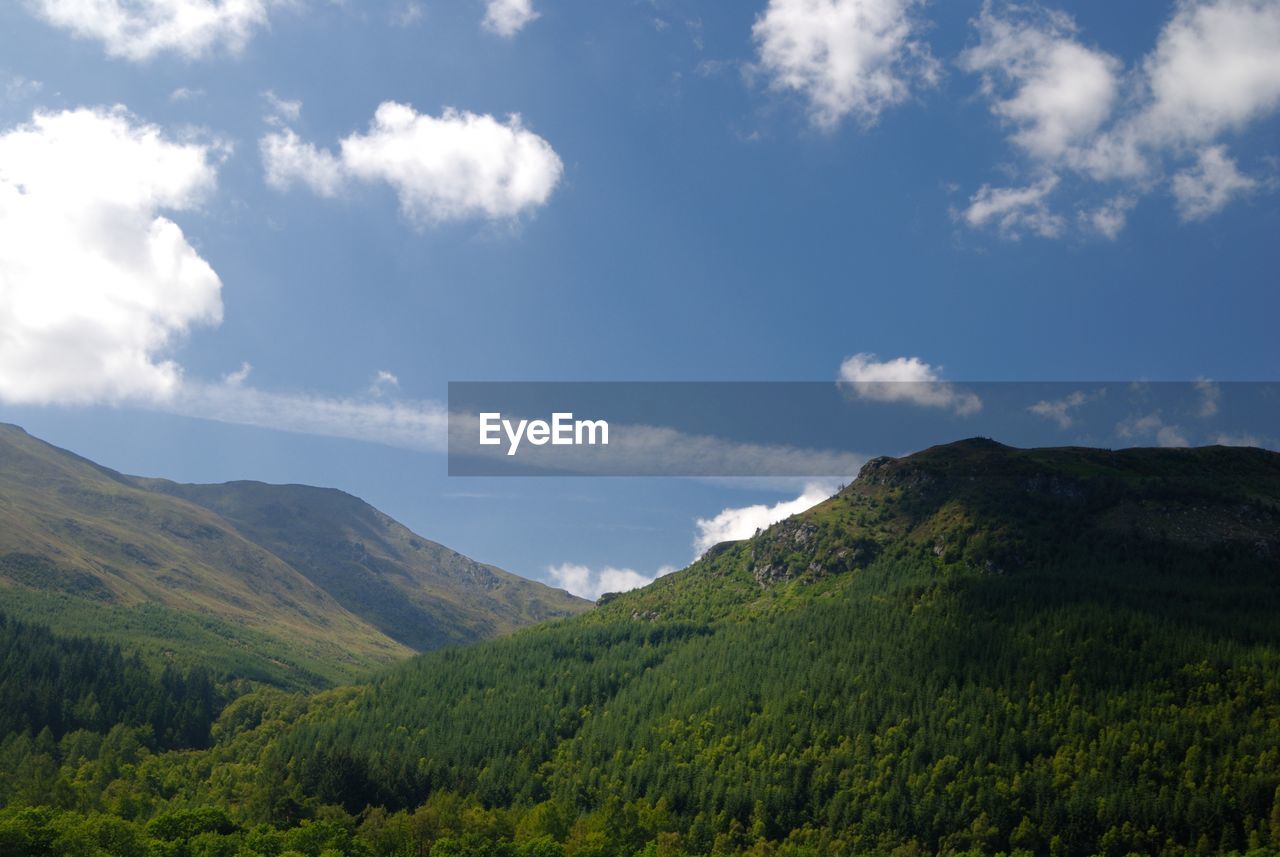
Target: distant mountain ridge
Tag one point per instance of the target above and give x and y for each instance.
(291, 584)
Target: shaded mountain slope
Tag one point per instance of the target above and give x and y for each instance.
(413, 590)
(88, 550)
(974, 648)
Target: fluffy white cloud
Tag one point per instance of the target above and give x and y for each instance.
(95, 283)
(844, 56)
(140, 29)
(1054, 90)
(739, 523)
(1206, 188)
(456, 166)
(1016, 211)
(508, 17)
(1215, 68)
(289, 160)
(1073, 109)
(586, 582)
(905, 379)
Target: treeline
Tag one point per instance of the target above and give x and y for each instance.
(62, 684)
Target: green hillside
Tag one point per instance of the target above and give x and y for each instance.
(298, 591)
(973, 650)
(415, 591)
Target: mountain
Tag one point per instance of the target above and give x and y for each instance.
(293, 585)
(970, 650)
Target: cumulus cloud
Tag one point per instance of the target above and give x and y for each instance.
(456, 166)
(1214, 69)
(1206, 188)
(138, 30)
(905, 379)
(1015, 211)
(1052, 89)
(96, 283)
(1073, 108)
(508, 17)
(289, 160)
(586, 582)
(845, 57)
(734, 524)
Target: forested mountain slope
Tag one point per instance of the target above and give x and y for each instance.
(1057, 650)
(972, 650)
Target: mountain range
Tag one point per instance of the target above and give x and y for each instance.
(972, 650)
(294, 585)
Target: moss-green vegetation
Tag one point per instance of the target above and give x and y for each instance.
(971, 651)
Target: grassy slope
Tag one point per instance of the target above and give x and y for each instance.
(280, 597)
(414, 590)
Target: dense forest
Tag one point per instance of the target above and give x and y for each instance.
(970, 651)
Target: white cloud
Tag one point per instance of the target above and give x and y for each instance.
(281, 110)
(1059, 411)
(383, 383)
(1054, 90)
(138, 30)
(458, 166)
(289, 160)
(1215, 68)
(96, 285)
(589, 583)
(1109, 219)
(905, 379)
(15, 87)
(1072, 108)
(1208, 187)
(734, 524)
(508, 17)
(183, 93)
(238, 377)
(420, 426)
(1015, 211)
(846, 57)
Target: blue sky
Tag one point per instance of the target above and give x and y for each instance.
(692, 191)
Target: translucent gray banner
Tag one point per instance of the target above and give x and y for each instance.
(824, 429)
